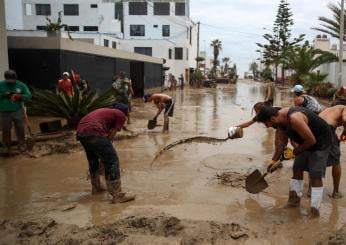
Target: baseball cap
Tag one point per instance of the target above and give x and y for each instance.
(298, 89)
(146, 97)
(66, 73)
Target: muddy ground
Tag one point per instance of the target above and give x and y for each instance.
(192, 194)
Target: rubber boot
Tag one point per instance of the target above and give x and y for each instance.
(96, 185)
(114, 188)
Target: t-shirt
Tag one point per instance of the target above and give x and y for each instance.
(7, 105)
(65, 86)
(100, 121)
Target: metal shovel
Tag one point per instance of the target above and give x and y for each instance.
(30, 140)
(256, 183)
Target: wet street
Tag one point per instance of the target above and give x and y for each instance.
(183, 181)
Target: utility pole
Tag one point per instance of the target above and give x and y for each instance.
(341, 42)
(197, 57)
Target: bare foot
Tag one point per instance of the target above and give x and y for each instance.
(293, 200)
(336, 195)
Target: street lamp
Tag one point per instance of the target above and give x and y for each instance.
(341, 42)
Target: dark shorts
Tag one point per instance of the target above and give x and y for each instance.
(314, 162)
(169, 108)
(334, 152)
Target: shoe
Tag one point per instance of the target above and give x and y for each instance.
(293, 199)
(314, 213)
(114, 188)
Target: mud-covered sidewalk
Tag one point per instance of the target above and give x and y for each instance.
(192, 194)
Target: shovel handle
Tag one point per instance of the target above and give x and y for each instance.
(26, 119)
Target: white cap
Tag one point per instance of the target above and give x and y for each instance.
(298, 89)
(66, 73)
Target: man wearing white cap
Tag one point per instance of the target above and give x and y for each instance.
(65, 85)
(304, 100)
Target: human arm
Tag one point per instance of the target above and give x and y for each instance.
(299, 124)
(112, 134)
(281, 140)
(343, 135)
(246, 124)
(26, 94)
(160, 105)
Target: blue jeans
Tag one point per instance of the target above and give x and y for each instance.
(101, 148)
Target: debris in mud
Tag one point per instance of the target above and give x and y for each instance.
(339, 238)
(150, 230)
(69, 207)
(233, 179)
(198, 139)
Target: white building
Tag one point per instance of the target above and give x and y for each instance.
(332, 69)
(159, 28)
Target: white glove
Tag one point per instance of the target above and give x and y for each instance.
(234, 132)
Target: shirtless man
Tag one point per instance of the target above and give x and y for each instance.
(162, 101)
(336, 117)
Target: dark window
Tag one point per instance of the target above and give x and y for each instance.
(180, 9)
(137, 30)
(144, 50)
(90, 28)
(93, 6)
(190, 35)
(71, 9)
(105, 42)
(138, 8)
(187, 53)
(165, 30)
(41, 28)
(161, 9)
(170, 54)
(178, 53)
(155, 26)
(42, 9)
(72, 28)
(114, 45)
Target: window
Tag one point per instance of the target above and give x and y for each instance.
(170, 53)
(161, 9)
(144, 50)
(180, 9)
(93, 6)
(28, 9)
(72, 28)
(114, 45)
(105, 42)
(165, 30)
(187, 53)
(71, 9)
(138, 8)
(178, 52)
(190, 35)
(41, 28)
(155, 26)
(90, 28)
(42, 9)
(137, 30)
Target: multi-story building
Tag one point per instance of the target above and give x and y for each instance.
(158, 28)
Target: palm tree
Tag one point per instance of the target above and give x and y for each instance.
(331, 26)
(47, 103)
(254, 69)
(217, 46)
(304, 59)
(225, 60)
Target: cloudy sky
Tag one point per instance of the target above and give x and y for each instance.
(239, 24)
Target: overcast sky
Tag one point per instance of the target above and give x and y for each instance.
(239, 24)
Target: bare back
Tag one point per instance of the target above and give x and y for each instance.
(335, 115)
(160, 98)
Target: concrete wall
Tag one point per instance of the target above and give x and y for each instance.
(332, 69)
(3, 41)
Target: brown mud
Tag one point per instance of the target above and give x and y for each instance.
(179, 199)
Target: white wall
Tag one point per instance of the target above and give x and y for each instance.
(102, 16)
(3, 41)
(332, 69)
(14, 14)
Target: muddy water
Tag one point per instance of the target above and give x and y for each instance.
(181, 182)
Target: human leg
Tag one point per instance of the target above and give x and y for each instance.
(6, 118)
(334, 162)
(18, 120)
(110, 159)
(336, 173)
(93, 160)
(296, 183)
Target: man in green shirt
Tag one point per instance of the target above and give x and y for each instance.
(12, 95)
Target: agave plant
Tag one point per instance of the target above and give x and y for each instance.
(45, 102)
(57, 26)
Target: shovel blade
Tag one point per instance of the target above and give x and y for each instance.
(152, 124)
(255, 182)
(30, 142)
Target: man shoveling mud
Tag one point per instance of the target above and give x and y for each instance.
(312, 139)
(162, 101)
(96, 132)
(335, 116)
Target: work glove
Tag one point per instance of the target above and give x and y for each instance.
(16, 97)
(343, 136)
(272, 165)
(287, 154)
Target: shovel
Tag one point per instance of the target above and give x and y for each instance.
(152, 123)
(30, 140)
(255, 182)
